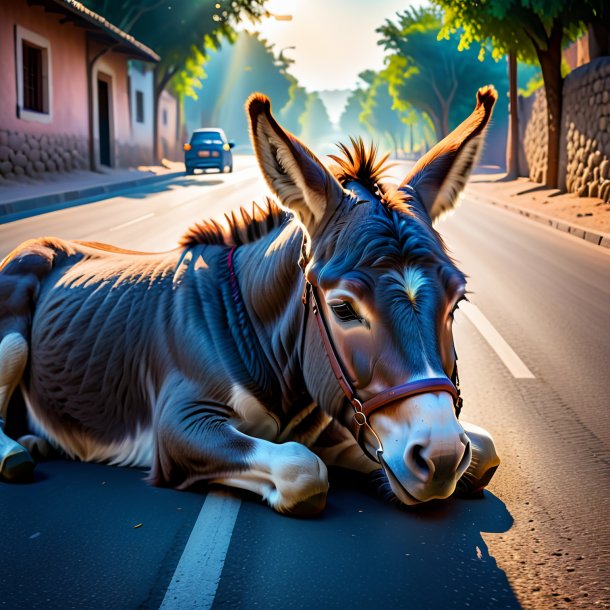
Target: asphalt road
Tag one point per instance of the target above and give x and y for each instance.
(538, 539)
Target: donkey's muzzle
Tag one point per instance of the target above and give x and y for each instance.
(426, 450)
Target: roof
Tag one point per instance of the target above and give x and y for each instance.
(101, 30)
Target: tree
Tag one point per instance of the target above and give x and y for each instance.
(291, 113)
(233, 72)
(529, 30)
(430, 74)
(181, 31)
(380, 114)
(315, 124)
(349, 121)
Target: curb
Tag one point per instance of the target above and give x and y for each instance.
(32, 206)
(597, 238)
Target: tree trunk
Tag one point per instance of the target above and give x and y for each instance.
(512, 150)
(550, 64)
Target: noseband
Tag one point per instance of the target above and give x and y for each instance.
(363, 410)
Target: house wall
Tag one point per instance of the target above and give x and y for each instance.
(35, 143)
(141, 78)
(113, 68)
(169, 146)
(32, 147)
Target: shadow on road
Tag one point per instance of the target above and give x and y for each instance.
(364, 553)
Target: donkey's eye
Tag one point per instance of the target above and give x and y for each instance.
(345, 312)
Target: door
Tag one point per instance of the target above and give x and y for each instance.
(103, 113)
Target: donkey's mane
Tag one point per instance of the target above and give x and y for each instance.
(363, 166)
(239, 227)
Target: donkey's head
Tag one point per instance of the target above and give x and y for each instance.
(387, 291)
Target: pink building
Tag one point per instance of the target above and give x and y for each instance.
(64, 89)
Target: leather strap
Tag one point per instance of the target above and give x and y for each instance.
(362, 410)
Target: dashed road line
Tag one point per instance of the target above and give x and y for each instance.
(132, 222)
(504, 351)
(197, 575)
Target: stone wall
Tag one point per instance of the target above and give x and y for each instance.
(533, 135)
(584, 154)
(34, 154)
(585, 131)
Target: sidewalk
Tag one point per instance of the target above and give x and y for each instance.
(25, 197)
(584, 217)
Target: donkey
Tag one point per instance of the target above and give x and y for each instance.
(267, 346)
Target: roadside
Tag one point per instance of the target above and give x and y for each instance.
(27, 197)
(584, 217)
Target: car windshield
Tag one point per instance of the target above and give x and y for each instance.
(207, 137)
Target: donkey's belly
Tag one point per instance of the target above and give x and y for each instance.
(133, 448)
(88, 390)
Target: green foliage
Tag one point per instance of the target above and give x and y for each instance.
(291, 113)
(349, 122)
(381, 116)
(431, 75)
(315, 124)
(182, 32)
(233, 72)
(515, 25)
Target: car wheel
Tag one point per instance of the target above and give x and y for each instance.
(189, 171)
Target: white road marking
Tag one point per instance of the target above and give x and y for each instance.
(197, 575)
(505, 352)
(132, 222)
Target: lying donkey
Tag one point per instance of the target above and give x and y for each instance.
(260, 352)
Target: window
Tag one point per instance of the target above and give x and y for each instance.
(32, 77)
(164, 116)
(139, 107)
(34, 84)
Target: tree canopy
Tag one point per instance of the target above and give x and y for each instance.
(233, 72)
(180, 31)
(531, 30)
(429, 74)
(316, 127)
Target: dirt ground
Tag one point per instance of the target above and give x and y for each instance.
(585, 212)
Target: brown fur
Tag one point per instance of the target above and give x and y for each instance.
(363, 166)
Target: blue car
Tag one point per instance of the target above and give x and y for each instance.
(208, 149)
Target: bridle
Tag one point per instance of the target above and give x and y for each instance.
(363, 410)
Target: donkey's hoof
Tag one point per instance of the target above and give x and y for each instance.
(309, 507)
(37, 447)
(17, 465)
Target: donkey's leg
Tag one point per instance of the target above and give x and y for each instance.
(15, 461)
(484, 462)
(196, 442)
(337, 447)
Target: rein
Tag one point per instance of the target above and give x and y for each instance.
(363, 410)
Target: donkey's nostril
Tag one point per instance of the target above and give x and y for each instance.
(419, 460)
(418, 464)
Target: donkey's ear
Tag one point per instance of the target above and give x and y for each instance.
(291, 170)
(441, 174)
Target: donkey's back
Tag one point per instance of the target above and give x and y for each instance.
(86, 310)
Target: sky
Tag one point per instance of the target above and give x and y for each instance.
(334, 40)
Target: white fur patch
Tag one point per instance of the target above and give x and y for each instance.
(136, 450)
(414, 279)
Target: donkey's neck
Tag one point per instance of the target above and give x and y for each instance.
(271, 286)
